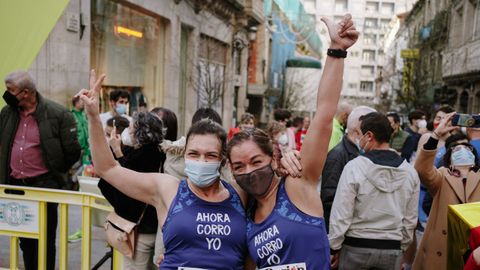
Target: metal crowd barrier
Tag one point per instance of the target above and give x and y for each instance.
(23, 214)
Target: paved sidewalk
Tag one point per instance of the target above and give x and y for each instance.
(74, 249)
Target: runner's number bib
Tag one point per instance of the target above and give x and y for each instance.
(292, 266)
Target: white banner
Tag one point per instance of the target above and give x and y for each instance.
(19, 215)
(292, 266)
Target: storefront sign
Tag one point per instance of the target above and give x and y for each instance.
(19, 215)
(410, 54)
(128, 32)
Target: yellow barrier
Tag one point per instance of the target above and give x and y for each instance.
(23, 214)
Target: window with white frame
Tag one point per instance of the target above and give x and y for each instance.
(371, 6)
(371, 23)
(369, 39)
(384, 24)
(341, 5)
(368, 70)
(366, 86)
(368, 55)
(388, 8)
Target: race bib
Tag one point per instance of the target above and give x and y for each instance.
(189, 268)
(292, 266)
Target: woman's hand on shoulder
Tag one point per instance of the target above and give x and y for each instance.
(342, 34)
(290, 163)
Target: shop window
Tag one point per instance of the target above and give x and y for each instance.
(127, 45)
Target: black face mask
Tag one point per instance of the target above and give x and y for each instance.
(11, 99)
(257, 182)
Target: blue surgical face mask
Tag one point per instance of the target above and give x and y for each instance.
(360, 149)
(202, 174)
(463, 157)
(121, 109)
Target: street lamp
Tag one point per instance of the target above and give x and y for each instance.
(252, 33)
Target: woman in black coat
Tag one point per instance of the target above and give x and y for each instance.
(137, 148)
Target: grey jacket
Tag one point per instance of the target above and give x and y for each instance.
(375, 201)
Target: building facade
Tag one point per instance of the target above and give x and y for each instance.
(181, 55)
(446, 36)
(287, 32)
(373, 19)
(461, 65)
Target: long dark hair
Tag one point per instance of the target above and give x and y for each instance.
(169, 121)
(148, 128)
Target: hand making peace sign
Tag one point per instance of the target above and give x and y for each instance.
(91, 97)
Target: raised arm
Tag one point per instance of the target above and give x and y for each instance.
(152, 188)
(314, 150)
(424, 164)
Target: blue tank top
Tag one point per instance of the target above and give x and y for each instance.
(288, 237)
(204, 235)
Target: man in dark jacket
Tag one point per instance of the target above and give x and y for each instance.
(338, 157)
(38, 145)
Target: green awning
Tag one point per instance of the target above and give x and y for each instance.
(302, 62)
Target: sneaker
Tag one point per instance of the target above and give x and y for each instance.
(75, 237)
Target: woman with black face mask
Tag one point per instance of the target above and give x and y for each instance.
(456, 182)
(285, 226)
(202, 217)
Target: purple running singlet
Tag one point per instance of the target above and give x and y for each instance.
(288, 238)
(204, 235)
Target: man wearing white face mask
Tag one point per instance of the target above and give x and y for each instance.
(417, 127)
(118, 100)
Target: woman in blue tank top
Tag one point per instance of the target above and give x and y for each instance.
(285, 227)
(203, 218)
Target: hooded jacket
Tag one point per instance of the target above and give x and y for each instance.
(377, 198)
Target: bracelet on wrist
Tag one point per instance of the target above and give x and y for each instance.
(337, 53)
